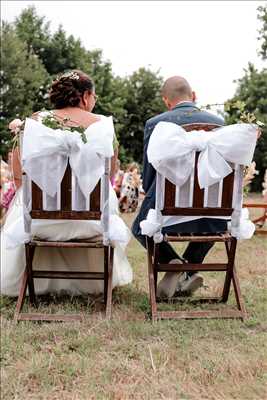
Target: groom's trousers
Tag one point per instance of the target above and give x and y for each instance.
(195, 251)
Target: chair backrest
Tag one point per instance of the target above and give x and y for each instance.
(190, 200)
(69, 202)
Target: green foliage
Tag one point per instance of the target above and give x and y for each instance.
(51, 122)
(22, 79)
(251, 95)
(262, 16)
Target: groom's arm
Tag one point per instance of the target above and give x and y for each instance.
(148, 170)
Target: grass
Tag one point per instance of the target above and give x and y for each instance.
(129, 358)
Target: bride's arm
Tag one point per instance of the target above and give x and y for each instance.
(16, 167)
(113, 162)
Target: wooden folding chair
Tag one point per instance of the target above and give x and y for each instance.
(93, 212)
(226, 193)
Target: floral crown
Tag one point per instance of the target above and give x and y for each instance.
(70, 75)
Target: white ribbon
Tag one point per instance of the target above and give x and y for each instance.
(46, 153)
(171, 151)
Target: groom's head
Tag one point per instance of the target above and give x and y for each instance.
(175, 90)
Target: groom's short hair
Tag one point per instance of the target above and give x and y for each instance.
(176, 88)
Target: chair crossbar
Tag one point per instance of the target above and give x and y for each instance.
(199, 314)
(190, 267)
(71, 244)
(77, 215)
(197, 212)
(68, 275)
(194, 238)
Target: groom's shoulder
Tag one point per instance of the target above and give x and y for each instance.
(165, 116)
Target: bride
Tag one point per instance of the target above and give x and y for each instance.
(73, 97)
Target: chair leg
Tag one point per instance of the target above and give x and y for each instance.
(22, 294)
(151, 279)
(156, 260)
(29, 250)
(106, 258)
(109, 283)
(239, 298)
(231, 250)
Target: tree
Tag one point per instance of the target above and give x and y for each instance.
(262, 16)
(143, 101)
(252, 90)
(33, 56)
(22, 79)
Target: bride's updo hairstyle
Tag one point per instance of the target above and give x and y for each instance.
(68, 88)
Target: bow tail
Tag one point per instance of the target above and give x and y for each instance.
(88, 170)
(176, 170)
(46, 171)
(212, 167)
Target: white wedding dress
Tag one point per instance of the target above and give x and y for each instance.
(13, 249)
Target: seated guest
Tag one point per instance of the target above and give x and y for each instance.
(131, 183)
(116, 180)
(179, 99)
(73, 97)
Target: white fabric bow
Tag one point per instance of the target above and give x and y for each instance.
(171, 151)
(46, 151)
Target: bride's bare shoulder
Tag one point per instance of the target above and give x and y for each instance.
(38, 115)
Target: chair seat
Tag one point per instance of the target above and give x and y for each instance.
(94, 242)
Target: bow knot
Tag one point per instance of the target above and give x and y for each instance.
(197, 141)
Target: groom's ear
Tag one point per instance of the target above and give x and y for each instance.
(166, 102)
(194, 96)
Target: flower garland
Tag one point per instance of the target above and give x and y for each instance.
(17, 126)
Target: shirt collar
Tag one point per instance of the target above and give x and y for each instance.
(184, 104)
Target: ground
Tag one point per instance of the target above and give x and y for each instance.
(129, 358)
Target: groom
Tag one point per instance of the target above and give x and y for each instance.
(180, 102)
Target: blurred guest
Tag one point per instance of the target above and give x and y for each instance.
(116, 180)
(128, 201)
(7, 190)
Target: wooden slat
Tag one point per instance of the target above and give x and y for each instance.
(192, 238)
(68, 275)
(84, 243)
(227, 191)
(207, 211)
(199, 314)
(255, 205)
(190, 267)
(200, 126)
(37, 197)
(169, 194)
(77, 215)
(198, 196)
(95, 198)
(65, 193)
(190, 300)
